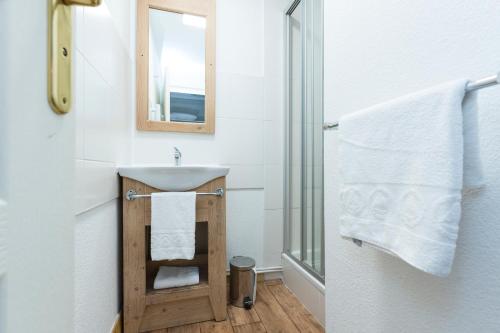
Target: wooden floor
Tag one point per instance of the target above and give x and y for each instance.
(276, 310)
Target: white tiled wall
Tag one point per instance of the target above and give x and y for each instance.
(274, 129)
(247, 97)
(240, 34)
(248, 135)
(245, 215)
(102, 107)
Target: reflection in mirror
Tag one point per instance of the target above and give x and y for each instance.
(176, 67)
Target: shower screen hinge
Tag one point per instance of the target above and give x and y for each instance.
(60, 52)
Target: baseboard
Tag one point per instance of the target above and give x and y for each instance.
(264, 276)
(265, 270)
(267, 273)
(274, 273)
(117, 326)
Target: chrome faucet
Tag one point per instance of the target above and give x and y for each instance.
(177, 156)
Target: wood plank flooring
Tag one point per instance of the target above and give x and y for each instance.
(277, 310)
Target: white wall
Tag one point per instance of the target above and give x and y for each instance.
(375, 51)
(102, 105)
(248, 131)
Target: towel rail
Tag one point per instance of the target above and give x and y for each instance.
(132, 194)
(471, 86)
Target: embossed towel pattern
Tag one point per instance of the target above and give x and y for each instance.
(404, 165)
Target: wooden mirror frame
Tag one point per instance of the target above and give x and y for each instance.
(204, 8)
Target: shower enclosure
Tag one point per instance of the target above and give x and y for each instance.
(304, 241)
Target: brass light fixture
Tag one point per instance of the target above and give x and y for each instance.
(60, 51)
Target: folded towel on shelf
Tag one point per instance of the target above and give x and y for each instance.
(176, 276)
(404, 165)
(173, 224)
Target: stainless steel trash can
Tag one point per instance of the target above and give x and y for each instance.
(243, 283)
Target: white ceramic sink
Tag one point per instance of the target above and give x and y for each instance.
(173, 178)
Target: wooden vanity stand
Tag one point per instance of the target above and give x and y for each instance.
(146, 309)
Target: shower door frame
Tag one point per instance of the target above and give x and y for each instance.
(287, 156)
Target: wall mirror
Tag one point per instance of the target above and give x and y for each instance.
(176, 65)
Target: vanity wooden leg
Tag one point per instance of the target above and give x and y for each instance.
(134, 258)
(217, 251)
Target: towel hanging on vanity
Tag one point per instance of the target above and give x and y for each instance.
(404, 164)
(173, 223)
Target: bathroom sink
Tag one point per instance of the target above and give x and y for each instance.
(173, 178)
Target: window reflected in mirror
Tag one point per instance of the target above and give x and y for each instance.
(176, 67)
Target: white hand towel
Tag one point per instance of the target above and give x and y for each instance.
(173, 223)
(173, 276)
(403, 166)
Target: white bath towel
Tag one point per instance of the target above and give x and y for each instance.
(403, 166)
(173, 217)
(176, 276)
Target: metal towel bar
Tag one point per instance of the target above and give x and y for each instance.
(132, 194)
(471, 86)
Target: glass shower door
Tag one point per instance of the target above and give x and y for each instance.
(304, 164)
(295, 123)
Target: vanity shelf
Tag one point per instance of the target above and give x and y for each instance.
(147, 309)
(156, 296)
